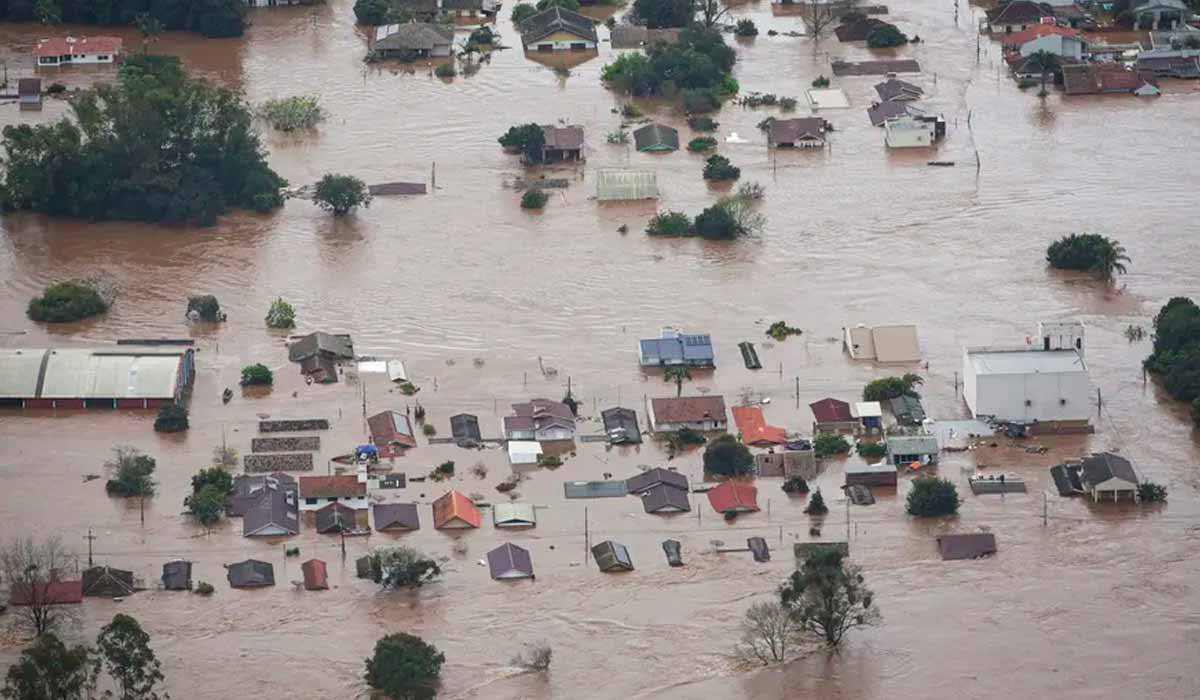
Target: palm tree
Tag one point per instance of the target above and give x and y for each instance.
(1045, 62)
(1111, 260)
(677, 375)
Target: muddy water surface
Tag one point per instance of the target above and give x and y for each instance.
(477, 296)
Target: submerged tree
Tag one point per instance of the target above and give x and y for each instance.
(30, 569)
(64, 302)
(50, 670)
(769, 630)
(341, 193)
(172, 418)
(1088, 252)
(281, 315)
(125, 649)
(405, 667)
(828, 597)
(931, 497)
(133, 476)
(893, 387)
(403, 567)
(677, 374)
(1046, 63)
(529, 139)
(727, 456)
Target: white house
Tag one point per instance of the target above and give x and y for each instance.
(60, 51)
(540, 419)
(1057, 44)
(316, 492)
(1042, 382)
(909, 132)
(882, 343)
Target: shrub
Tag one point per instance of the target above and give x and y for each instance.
(443, 471)
(829, 444)
(1088, 252)
(172, 418)
(64, 302)
(686, 437)
(204, 588)
(1150, 492)
(56, 89)
(522, 11)
(702, 123)
(787, 104)
(663, 13)
(257, 374)
(408, 388)
(699, 100)
(816, 504)
(482, 36)
(670, 223)
(821, 82)
(341, 193)
(630, 111)
(886, 36)
(892, 388)
(445, 70)
(291, 113)
(719, 168)
(795, 484)
(618, 137)
(550, 461)
(1026, 83)
(717, 223)
(207, 308)
(701, 144)
(536, 657)
(404, 666)
(930, 497)
(429, 430)
(727, 456)
(751, 191)
(534, 198)
(745, 28)
(529, 139)
(780, 331)
(871, 450)
(281, 315)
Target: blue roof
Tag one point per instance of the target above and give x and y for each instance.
(690, 347)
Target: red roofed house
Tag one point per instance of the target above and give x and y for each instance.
(832, 416)
(455, 510)
(754, 429)
(318, 491)
(1016, 39)
(59, 51)
(391, 432)
(732, 495)
(316, 576)
(695, 412)
(52, 593)
(1017, 16)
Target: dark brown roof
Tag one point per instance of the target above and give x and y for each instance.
(688, 409)
(331, 487)
(1019, 12)
(29, 86)
(320, 343)
(831, 411)
(799, 129)
(543, 24)
(883, 111)
(896, 89)
(653, 477)
(967, 546)
(336, 517)
(1104, 466)
(664, 498)
(391, 426)
(562, 138)
(508, 561)
(106, 582)
(858, 30)
(251, 573)
(275, 508)
(396, 516)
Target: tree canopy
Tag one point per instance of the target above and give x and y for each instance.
(134, 473)
(529, 139)
(212, 18)
(405, 667)
(156, 145)
(931, 497)
(522, 12)
(171, 418)
(50, 670)
(341, 193)
(727, 456)
(892, 387)
(125, 648)
(658, 14)
(63, 302)
(1176, 356)
(700, 61)
(403, 567)
(1088, 252)
(829, 597)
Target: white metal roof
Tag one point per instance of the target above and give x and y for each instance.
(524, 451)
(513, 513)
(111, 374)
(19, 371)
(881, 468)
(617, 185)
(1026, 362)
(868, 409)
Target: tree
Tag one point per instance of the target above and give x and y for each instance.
(47, 12)
(669, 223)
(795, 484)
(892, 387)
(403, 567)
(768, 631)
(696, 68)
(292, 113)
(829, 444)
(816, 504)
(535, 657)
(1088, 252)
(572, 5)
(29, 569)
(149, 27)
(700, 144)
(677, 374)
(828, 597)
(718, 167)
(125, 649)
(871, 450)
(931, 497)
(49, 670)
(281, 315)
(1150, 492)
(658, 14)
(210, 490)
(372, 12)
(155, 145)
(206, 307)
(529, 139)
(341, 193)
(1046, 63)
(727, 456)
(64, 302)
(405, 667)
(257, 374)
(745, 28)
(818, 17)
(716, 223)
(534, 198)
(711, 13)
(522, 12)
(134, 473)
(886, 36)
(172, 418)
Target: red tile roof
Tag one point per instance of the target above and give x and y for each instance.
(64, 46)
(1036, 32)
(689, 409)
(734, 495)
(831, 411)
(316, 576)
(754, 429)
(54, 593)
(455, 506)
(331, 487)
(391, 426)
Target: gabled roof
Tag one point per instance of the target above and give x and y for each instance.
(656, 137)
(455, 510)
(912, 445)
(662, 498)
(390, 427)
(90, 45)
(621, 425)
(52, 593)
(1036, 32)
(540, 414)
(688, 409)
(734, 495)
(316, 575)
(1019, 12)
(895, 89)
(248, 489)
(508, 561)
(342, 486)
(321, 344)
(883, 111)
(413, 36)
(867, 409)
(831, 411)
(754, 429)
(27, 87)
(514, 515)
(107, 582)
(799, 129)
(396, 516)
(562, 138)
(1103, 466)
(335, 518)
(251, 573)
(556, 19)
(276, 509)
(177, 575)
(465, 426)
(859, 30)
(612, 556)
(653, 477)
(908, 407)
(966, 546)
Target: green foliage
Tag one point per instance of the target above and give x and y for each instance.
(795, 484)
(572, 5)
(886, 36)
(781, 331)
(727, 456)
(483, 36)
(701, 144)
(717, 223)
(931, 498)
(892, 387)
(404, 667)
(787, 104)
(377, 12)
(630, 111)
(341, 193)
(428, 430)
(402, 567)
(1026, 83)
(686, 437)
(702, 123)
(696, 67)
(291, 552)
(658, 14)
(445, 70)
(529, 139)
(719, 168)
(678, 374)
(49, 670)
(133, 473)
(534, 198)
(206, 505)
(871, 450)
(257, 374)
(1088, 252)
(700, 100)
(550, 461)
(443, 471)
(204, 588)
(745, 28)
(281, 315)
(816, 504)
(828, 597)
(522, 12)
(291, 113)
(670, 223)
(1150, 492)
(56, 89)
(156, 145)
(617, 137)
(821, 82)
(829, 444)
(213, 18)
(171, 418)
(64, 302)
(214, 477)
(408, 388)
(206, 307)
(125, 648)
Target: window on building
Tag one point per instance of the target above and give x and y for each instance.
(310, 501)
(332, 499)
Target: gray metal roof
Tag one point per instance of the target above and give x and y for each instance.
(323, 344)
(653, 477)
(251, 573)
(626, 185)
(413, 36)
(594, 489)
(555, 19)
(612, 556)
(514, 514)
(966, 546)
(621, 425)
(465, 426)
(1103, 466)
(508, 561)
(105, 373)
(19, 372)
(398, 516)
(177, 575)
(665, 499)
(912, 445)
(656, 137)
(336, 517)
(275, 513)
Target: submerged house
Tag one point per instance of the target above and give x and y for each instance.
(753, 429)
(880, 112)
(896, 343)
(801, 132)
(787, 463)
(318, 491)
(249, 488)
(832, 416)
(612, 556)
(656, 477)
(620, 185)
(107, 582)
(455, 511)
(896, 90)
(514, 515)
(395, 517)
(464, 427)
(42, 592)
(336, 518)
(912, 132)
(869, 415)
(251, 573)
(1017, 16)
(663, 498)
(735, 496)
(907, 410)
(882, 474)
(413, 40)
(656, 138)
(177, 575)
(524, 452)
(966, 546)
(117, 376)
(272, 512)
(910, 449)
(61, 51)
(1108, 477)
(562, 143)
(392, 432)
(508, 562)
(702, 413)
(621, 426)
(316, 575)
(29, 93)
(674, 348)
(558, 29)
(540, 420)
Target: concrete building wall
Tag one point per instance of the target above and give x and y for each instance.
(1060, 396)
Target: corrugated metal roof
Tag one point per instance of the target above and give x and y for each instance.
(1027, 362)
(513, 514)
(19, 371)
(103, 374)
(623, 185)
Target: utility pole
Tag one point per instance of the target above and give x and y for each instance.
(90, 538)
(847, 495)
(587, 550)
(797, 393)
(1044, 509)
(1099, 401)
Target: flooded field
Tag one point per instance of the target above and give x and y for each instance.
(476, 295)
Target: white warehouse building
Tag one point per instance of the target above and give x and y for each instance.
(1043, 384)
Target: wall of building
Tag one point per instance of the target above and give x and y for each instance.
(694, 425)
(81, 59)
(355, 502)
(561, 41)
(1034, 396)
(556, 434)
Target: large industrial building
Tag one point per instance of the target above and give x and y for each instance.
(118, 376)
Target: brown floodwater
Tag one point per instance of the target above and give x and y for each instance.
(473, 293)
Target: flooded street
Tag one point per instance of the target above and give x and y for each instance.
(473, 293)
